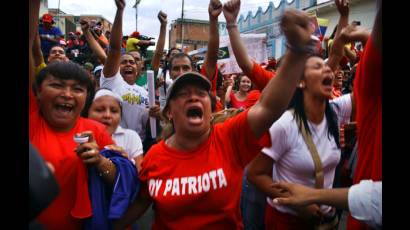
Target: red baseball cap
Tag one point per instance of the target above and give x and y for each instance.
(135, 34)
(47, 18)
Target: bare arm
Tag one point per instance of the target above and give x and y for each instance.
(162, 17)
(231, 81)
(214, 9)
(343, 8)
(351, 55)
(228, 94)
(348, 34)
(95, 47)
(336, 50)
(138, 160)
(277, 94)
(112, 63)
(301, 195)
(37, 54)
(90, 155)
(98, 39)
(260, 174)
(33, 30)
(231, 10)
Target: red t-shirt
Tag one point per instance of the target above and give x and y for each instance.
(260, 76)
(219, 106)
(251, 99)
(201, 189)
(336, 93)
(367, 91)
(72, 203)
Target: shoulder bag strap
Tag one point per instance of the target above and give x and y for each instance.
(319, 176)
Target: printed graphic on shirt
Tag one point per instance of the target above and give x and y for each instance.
(134, 99)
(181, 186)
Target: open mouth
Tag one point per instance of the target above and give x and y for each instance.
(128, 72)
(64, 108)
(327, 81)
(195, 115)
(106, 123)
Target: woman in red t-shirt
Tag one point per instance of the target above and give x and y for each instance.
(245, 97)
(57, 95)
(194, 177)
(61, 90)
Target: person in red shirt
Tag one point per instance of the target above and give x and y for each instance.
(61, 90)
(245, 97)
(367, 89)
(194, 177)
(56, 100)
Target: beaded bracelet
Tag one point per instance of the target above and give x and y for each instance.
(106, 172)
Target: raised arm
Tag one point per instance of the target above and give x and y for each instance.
(37, 53)
(231, 81)
(112, 63)
(277, 94)
(162, 17)
(33, 30)
(350, 33)
(94, 45)
(214, 9)
(231, 10)
(336, 50)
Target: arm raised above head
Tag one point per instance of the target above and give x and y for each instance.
(277, 94)
(114, 54)
(211, 57)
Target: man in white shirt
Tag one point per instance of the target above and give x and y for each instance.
(119, 75)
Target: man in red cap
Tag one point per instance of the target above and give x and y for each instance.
(49, 34)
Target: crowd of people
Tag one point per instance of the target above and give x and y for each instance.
(276, 146)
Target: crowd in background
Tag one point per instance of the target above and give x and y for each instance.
(276, 146)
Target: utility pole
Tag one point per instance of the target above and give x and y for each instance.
(137, 2)
(182, 27)
(58, 14)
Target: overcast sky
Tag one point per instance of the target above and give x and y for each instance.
(148, 23)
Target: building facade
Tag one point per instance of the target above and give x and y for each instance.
(191, 33)
(268, 21)
(71, 23)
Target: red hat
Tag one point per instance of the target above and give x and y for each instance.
(135, 34)
(47, 18)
